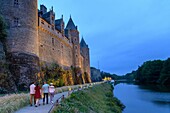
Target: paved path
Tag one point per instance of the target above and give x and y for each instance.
(42, 108)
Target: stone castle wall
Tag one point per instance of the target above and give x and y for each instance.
(21, 18)
(53, 46)
(22, 41)
(32, 39)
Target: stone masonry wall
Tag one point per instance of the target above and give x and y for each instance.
(21, 19)
(53, 48)
(22, 41)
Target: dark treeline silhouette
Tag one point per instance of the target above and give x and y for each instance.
(152, 72)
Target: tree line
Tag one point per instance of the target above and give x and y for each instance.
(152, 72)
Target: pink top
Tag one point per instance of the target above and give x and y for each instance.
(51, 89)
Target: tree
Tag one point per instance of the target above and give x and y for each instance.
(3, 32)
(165, 73)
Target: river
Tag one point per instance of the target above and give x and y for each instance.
(143, 99)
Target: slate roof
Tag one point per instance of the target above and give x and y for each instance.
(71, 25)
(83, 43)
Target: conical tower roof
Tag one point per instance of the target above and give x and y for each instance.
(71, 25)
(83, 43)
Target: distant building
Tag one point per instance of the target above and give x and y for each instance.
(95, 75)
(35, 37)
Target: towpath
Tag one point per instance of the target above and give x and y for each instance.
(42, 108)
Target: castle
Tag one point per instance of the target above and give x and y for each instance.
(35, 37)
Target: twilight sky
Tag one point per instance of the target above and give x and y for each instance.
(121, 34)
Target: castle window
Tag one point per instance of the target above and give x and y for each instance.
(52, 18)
(61, 45)
(16, 3)
(52, 27)
(53, 41)
(16, 22)
(69, 54)
(42, 21)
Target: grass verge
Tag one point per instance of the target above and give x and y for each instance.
(96, 99)
(13, 102)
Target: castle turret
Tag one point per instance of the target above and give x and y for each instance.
(85, 53)
(59, 25)
(21, 18)
(49, 17)
(72, 31)
(43, 9)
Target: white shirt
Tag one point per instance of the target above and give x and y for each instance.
(51, 89)
(32, 89)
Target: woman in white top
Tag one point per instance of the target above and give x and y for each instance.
(51, 91)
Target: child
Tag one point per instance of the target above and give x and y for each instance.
(52, 91)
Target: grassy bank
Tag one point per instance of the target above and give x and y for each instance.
(11, 103)
(97, 99)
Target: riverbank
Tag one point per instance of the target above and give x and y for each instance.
(97, 99)
(13, 102)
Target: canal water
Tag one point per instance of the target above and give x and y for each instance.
(143, 99)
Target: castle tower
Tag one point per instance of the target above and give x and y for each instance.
(59, 25)
(48, 16)
(74, 34)
(85, 53)
(43, 9)
(21, 17)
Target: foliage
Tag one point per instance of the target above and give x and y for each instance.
(7, 84)
(165, 73)
(13, 102)
(56, 75)
(3, 32)
(60, 77)
(97, 99)
(152, 72)
(77, 75)
(87, 78)
(113, 76)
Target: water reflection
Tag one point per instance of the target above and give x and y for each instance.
(143, 99)
(161, 102)
(158, 88)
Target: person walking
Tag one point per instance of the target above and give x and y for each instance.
(51, 91)
(32, 93)
(45, 89)
(37, 94)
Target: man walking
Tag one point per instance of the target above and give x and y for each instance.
(45, 89)
(32, 93)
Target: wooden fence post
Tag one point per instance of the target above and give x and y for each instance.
(62, 98)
